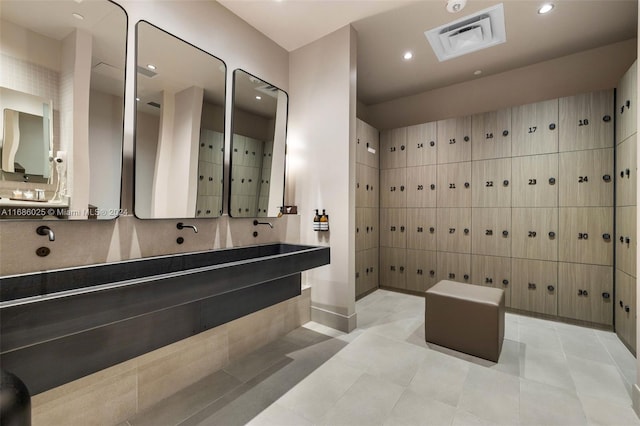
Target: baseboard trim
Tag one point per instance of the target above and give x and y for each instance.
(344, 323)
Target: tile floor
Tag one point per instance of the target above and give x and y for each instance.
(383, 373)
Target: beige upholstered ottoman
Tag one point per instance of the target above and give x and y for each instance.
(465, 317)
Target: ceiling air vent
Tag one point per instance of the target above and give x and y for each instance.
(153, 104)
(146, 71)
(469, 34)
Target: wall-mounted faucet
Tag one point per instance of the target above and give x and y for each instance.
(181, 225)
(45, 230)
(256, 223)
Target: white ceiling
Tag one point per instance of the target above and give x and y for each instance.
(386, 29)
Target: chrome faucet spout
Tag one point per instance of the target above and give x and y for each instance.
(256, 223)
(181, 225)
(45, 230)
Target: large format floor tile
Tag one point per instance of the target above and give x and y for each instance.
(384, 373)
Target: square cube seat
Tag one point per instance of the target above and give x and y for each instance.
(467, 318)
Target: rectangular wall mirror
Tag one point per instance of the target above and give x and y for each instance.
(179, 141)
(258, 145)
(62, 70)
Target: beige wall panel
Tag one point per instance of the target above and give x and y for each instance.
(491, 135)
(492, 271)
(421, 229)
(491, 183)
(393, 224)
(534, 233)
(535, 128)
(586, 292)
(626, 102)
(534, 181)
(422, 144)
(586, 235)
(372, 187)
(421, 270)
(534, 286)
(626, 240)
(454, 267)
(625, 308)
(392, 267)
(586, 121)
(393, 148)
(393, 185)
(627, 172)
(454, 230)
(421, 186)
(454, 185)
(586, 178)
(454, 140)
(491, 233)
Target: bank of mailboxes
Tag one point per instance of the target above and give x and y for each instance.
(519, 199)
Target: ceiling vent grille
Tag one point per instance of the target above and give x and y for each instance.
(146, 72)
(469, 34)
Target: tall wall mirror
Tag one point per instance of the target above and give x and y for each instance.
(62, 71)
(179, 142)
(258, 145)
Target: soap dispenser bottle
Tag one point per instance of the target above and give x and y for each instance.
(324, 221)
(316, 221)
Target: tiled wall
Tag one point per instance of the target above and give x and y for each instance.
(117, 393)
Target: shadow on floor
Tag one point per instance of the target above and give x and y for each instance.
(240, 391)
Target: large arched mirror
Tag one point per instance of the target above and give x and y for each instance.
(258, 147)
(62, 70)
(179, 143)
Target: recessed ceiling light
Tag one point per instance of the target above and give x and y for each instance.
(151, 66)
(77, 16)
(545, 8)
(407, 55)
(258, 97)
(477, 72)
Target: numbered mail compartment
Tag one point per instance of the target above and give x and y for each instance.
(586, 292)
(492, 271)
(625, 309)
(454, 230)
(535, 181)
(366, 271)
(586, 178)
(393, 228)
(454, 140)
(421, 270)
(491, 183)
(367, 144)
(421, 229)
(393, 148)
(393, 188)
(586, 235)
(454, 267)
(535, 128)
(586, 121)
(625, 240)
(491, 231)
(367, 228)
(534, 286)
(393, 267)
(626, 98)
(422, 145)
(491, 135)
(454, 185)
(421, 186)
(626, 172)
(534, 233)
